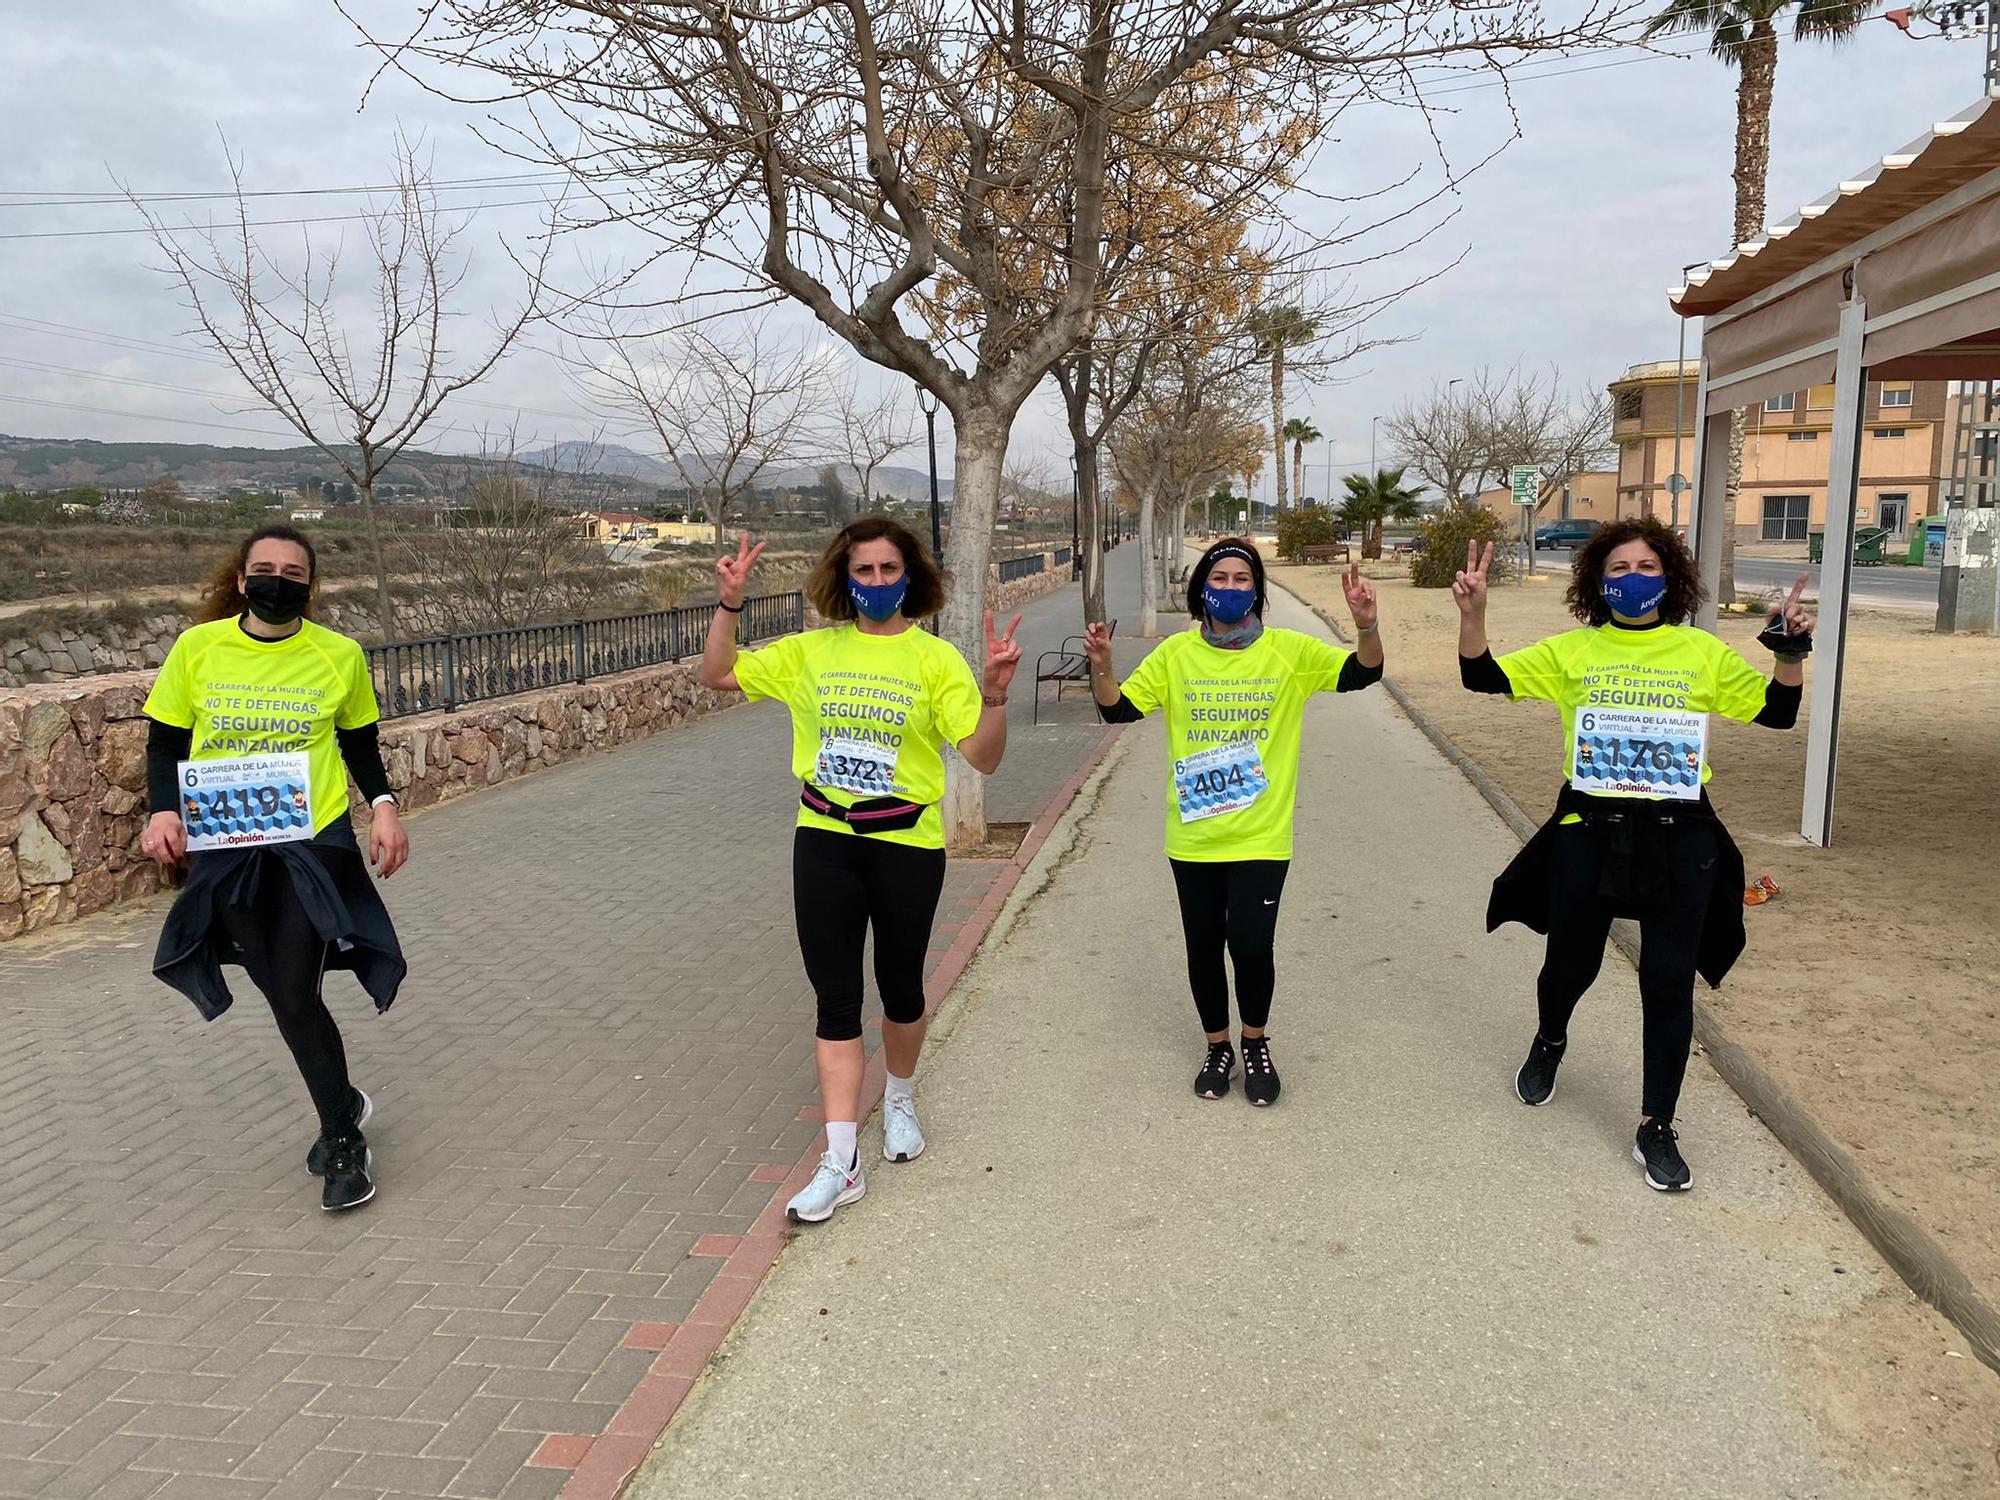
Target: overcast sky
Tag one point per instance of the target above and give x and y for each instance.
(1569, 240)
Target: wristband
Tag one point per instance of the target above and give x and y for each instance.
(734, 609)
(1368, 629)
(992, 702)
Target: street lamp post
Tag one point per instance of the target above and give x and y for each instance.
(929, 409)
(1371, 448)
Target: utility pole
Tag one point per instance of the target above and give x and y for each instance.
(929, 409)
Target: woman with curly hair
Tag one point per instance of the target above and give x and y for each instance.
(1634, 833)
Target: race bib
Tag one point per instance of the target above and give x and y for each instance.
(858, 766)
(247, 801)
(1225, 779)
(1639, 753)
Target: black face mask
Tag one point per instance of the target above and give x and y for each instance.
(274, 599)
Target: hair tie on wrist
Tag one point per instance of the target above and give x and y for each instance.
(734, 609)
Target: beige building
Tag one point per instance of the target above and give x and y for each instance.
(1591, 496)
(1905, 452)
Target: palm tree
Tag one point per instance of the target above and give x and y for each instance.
(1278, 329)
(1744, 34)
(1300, 432)
(1370, 502)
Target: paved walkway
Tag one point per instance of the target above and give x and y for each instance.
(1399, 1282)
(599, 1073)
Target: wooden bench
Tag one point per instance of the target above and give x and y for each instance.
(1325, 552)
(1064, 667)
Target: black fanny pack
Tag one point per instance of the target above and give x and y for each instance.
(870, 815)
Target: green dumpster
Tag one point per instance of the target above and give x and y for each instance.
(1868, 546)
(1815, 546)
(1919, 530)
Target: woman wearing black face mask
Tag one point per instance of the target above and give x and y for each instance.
(1633, 834)
(1234, 694)
(259, 716)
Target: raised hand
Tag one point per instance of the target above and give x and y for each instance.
(1468, 585)
(1097, 645)
(1360, 597)
(1003, 655)
(1792, 614)
(732, 574)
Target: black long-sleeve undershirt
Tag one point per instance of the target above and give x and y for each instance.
(168, 745)
(1482, 674)
(1354, 676)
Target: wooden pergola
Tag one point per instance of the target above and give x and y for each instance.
(1894, 275)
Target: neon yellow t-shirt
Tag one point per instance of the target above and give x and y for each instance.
(897, 697)
(1215, 699)
(1669, 668)
(245, 696)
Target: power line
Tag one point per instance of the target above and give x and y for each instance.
(81, 234)
(64, 198)
(140, 416)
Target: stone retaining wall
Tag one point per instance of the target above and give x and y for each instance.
(73, 765)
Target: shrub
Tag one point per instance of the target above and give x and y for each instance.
(1304, 526)
(1441, 540)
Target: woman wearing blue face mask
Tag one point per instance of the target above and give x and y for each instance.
(1634, 834)
(873, 700)
(1234, 692)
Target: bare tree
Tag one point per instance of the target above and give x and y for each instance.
(859, 159)
(725, 405)
(871, 431)
(1467, 436)
(282, 334)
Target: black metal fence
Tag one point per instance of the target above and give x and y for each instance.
(451, 670)
(1013, 569)
(1062, 557)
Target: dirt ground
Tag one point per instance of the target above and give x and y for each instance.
(1871, 987)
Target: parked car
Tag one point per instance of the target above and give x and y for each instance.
(1565, 533)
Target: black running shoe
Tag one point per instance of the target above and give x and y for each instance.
(348, 1184)
(316, 1158)
(1260, 1079)
(1212, 1082)
(1657, 1153)
(1536, 1082)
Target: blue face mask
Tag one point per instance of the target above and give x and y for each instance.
(878, 601)
(1227, 606)
(1633, 595)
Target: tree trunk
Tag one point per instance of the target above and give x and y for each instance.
(1090, 550)
(975, 502)
(1149, 566)
(1278, 421)
(385, 606)
(1299, 472)
(1756, 78)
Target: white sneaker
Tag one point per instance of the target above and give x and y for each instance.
(902, 1140)
(832, 1186)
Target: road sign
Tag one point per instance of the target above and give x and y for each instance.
(1676, 483)
(1527, 486)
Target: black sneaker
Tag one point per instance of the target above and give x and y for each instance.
(1536, 1082)
(316, 1158)
(1212, 1082)
(1260, 1079)
(345, 1158)
(1657, 1153)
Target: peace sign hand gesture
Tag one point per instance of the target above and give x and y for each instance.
(1468, 586)
(1003, 655)
(1360, 597)
(1097, 645)
(732, 574)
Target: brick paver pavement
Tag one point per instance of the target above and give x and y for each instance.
(600, 1066)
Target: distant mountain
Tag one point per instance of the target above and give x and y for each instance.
(610, 458)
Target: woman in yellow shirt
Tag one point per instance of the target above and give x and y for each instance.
(1633, 834)
(1234, 692)
(259, 715)
(873, 700)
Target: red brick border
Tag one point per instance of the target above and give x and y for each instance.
(603, 1465)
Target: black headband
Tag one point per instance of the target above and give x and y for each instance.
(1230, 549)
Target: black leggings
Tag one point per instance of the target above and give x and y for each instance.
(1669, 939)
(1233, 903)
(275, 943)
(844, 883)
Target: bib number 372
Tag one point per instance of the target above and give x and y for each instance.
(1639, 753)
(1225, 779)
(247, 801)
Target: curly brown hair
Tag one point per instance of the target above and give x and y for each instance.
(222, 596)
(1585, 596)
(827, 587)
